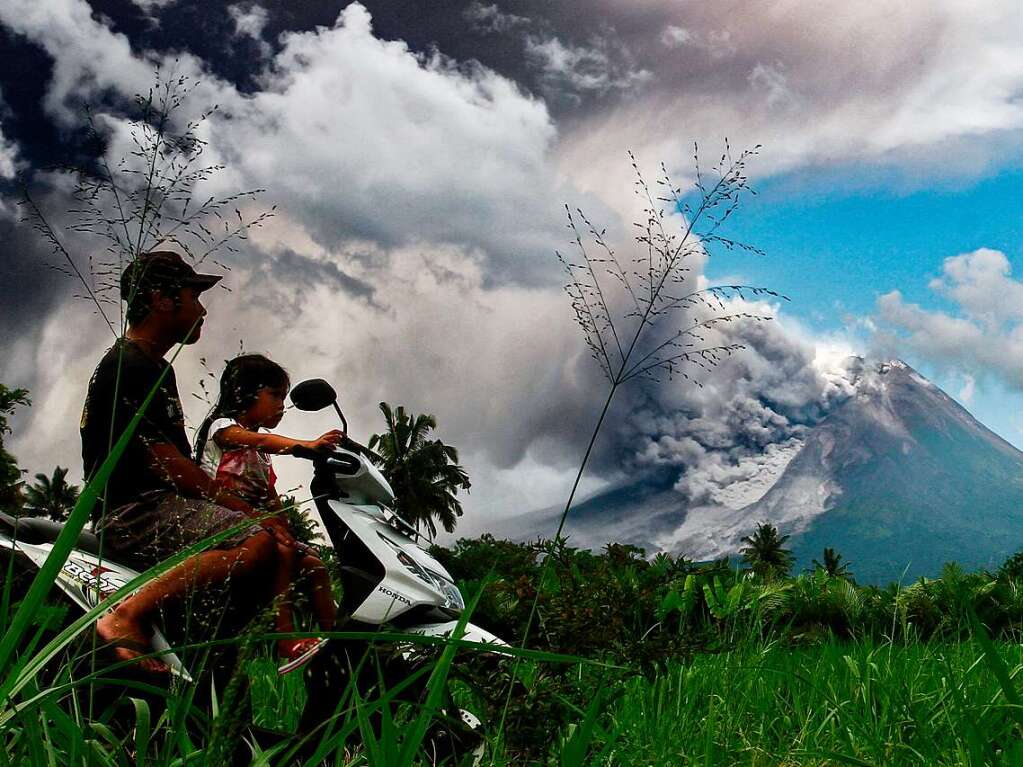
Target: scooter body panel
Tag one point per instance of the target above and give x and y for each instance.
(412, 578)
(87, 580)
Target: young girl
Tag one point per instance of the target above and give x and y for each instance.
(232, 449)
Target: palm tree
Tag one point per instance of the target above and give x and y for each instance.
(423, 473)
(765, 553)
(299, 520)
(833, 565)
(51, 497)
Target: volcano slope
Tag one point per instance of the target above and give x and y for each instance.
(912, 481)
(898, 477)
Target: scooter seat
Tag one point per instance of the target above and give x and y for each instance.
(39, 530)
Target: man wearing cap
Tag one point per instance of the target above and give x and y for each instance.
(157, 500)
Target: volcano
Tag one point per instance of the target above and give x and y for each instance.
(898, 477)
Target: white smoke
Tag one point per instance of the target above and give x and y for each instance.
(732, 438)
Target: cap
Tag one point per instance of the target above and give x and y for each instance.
(162, 269)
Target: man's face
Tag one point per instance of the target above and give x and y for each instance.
(188, 316)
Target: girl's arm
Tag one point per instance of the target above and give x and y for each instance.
(235, 436)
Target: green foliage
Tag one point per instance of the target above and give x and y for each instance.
(832, 564)
(9, 400)
(713, 665)
(423, 473)
(10, 475)
(1012, 568)
(619, 606)
(859, 703)
(51, 497)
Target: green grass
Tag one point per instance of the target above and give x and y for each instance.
(838, 703)
(760, 703)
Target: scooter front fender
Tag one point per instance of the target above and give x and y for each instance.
(472, 633)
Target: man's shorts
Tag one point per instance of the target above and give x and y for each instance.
(161, 525)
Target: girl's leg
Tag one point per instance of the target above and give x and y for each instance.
(127, 623)
(288, 648)
(322, 590)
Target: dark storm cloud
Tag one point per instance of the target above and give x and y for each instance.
(31, 287)
(464, 30)
(309, 272)
(868, 78)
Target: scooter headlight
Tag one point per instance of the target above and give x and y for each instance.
(452, 596)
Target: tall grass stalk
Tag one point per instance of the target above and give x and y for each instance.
(645, 317)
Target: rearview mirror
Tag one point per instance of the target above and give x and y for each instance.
(314, 394)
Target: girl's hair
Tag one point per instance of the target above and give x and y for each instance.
(240, 383)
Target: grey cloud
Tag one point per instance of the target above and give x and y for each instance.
(489, 19)
(88, 57)
(439, 175)
(597, 67)
(362, 139)
(10, 162)
(359, 138)
(928, 89)
(33, 283)
(8, 157)
(309, 272)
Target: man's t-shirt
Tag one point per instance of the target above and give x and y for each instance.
(103, 421)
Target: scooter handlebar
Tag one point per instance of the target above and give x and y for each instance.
(307, 453)
(347, 444)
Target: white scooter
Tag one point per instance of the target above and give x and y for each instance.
(387, 577)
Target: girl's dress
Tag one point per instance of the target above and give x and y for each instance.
(245, 471)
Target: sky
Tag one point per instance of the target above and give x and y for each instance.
(420, 157)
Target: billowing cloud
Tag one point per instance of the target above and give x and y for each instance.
(816, 84)
(10, 159)
(730, 437)
(981, 283)
(8, 154)
(410, 260)
(250, 20)
(424, 150)
(358, 137)
(88, 58)
(982, 336)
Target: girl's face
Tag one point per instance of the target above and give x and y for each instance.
(268, 409)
